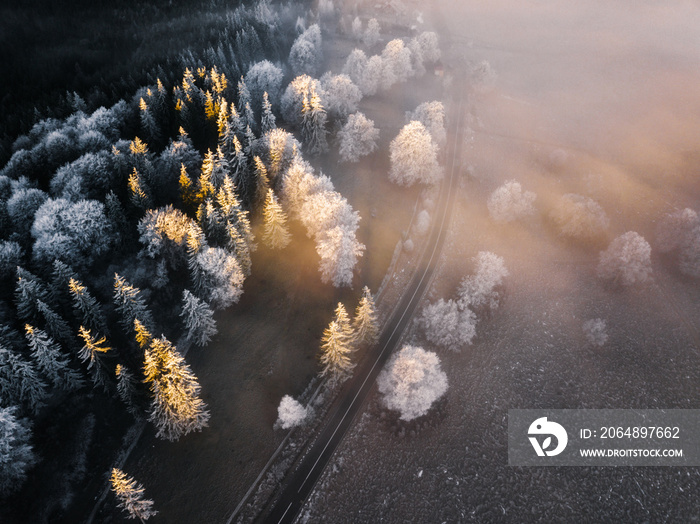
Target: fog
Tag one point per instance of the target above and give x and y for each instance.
(603, 94)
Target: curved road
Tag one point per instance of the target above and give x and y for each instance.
(300, 481)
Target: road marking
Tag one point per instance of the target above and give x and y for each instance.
(285, 512)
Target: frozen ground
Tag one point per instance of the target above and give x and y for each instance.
(590, 98)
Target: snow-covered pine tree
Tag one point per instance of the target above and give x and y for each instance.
(245, 99)
(141, 334)
(335, 353)
(139, 192)
(54, 324)
(365, 321)
(198, 318)
(51, 362)
(148, 123)
(176, 408)
(93, 353)
(16, 454)
(126, 388)
(58, 290)
(276, 234)
(20, 383)
(130, 305)
(28, 290)
(343, 320)
(268, 122)
(86, 308)
(313, 124)
(130, 494)
(262, 183)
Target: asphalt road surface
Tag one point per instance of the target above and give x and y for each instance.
(300, 481)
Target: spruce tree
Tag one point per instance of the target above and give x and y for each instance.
(198, 318)
(139, 192)
(276, 234)
(141, 334)
(365, 321)
(335, 353)
(176, 408)
(93, 353)
(58, 291)
(54, 324)
(313, 124)
(268, 118)
(16, 455)
(86, 308)
(130, 304)
(51, 362)
(343, 320)
(20, 383)
(130, 495)
(126, 388)
(262, 183)
(28, 290)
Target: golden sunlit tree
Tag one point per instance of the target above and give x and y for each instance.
(343, 320)
(276, 234)
(139, 191)
(130, 495)
(92, 353)
(176, 408)
(335, 353)
(365, 321)
(86, 308)
(262, 182)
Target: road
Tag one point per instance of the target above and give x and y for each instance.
(300, 482)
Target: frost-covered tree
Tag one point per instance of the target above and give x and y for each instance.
(162, 231)
(626, 261)
(264, 77)
(54, 324)
(290, 413)
(412, 381)
(292, 103)
(356, 29)
(11, 256)
(176, 408)
(139, 191)
(342, 95)
(93, 354)
(86, 308)
(397, 63)
(365, 323)
(371, 35)
(432, 116)
(429, 45)
(16, 453)
(51, 362)
(130, 495)
(595, 331)
(354, 67)
(29, 290)
(336, 349)
(414, 157)
(448, 325)
(358, 138)
(267, 120)
(221, 277)
(76, 233)
(298, 184)
(579, 217)
(126, 388)
(481, 289)
(509, 202)
(198, 318)
(21, 208)
(20, 383)
(306, 54)
(313, 124)
(130, 304)
(339, 250)
(276, 234)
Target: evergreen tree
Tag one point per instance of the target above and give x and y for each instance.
(365, 321)
(238, 246)
(92, 353)
(268, 118)
(58, 291)
(86, 308)
(148, 123)
(55, 325)
(250, 117)
(249, 141)
(51, 362)
(343, 320)
(335, 353)
(126, 388)
(28, 290)
(196, 243)
(198, 318)
(20, 382)
(130, 304)
(176, 408)
(206, 187)
(188, 195)
(313, 124)
(16, 454)
(237, 123)
(130, 495)
(117, 217)
(238, 167)
(244, 101)
(276, 233)
(141, 334)
(139, 192)
(262, 183)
